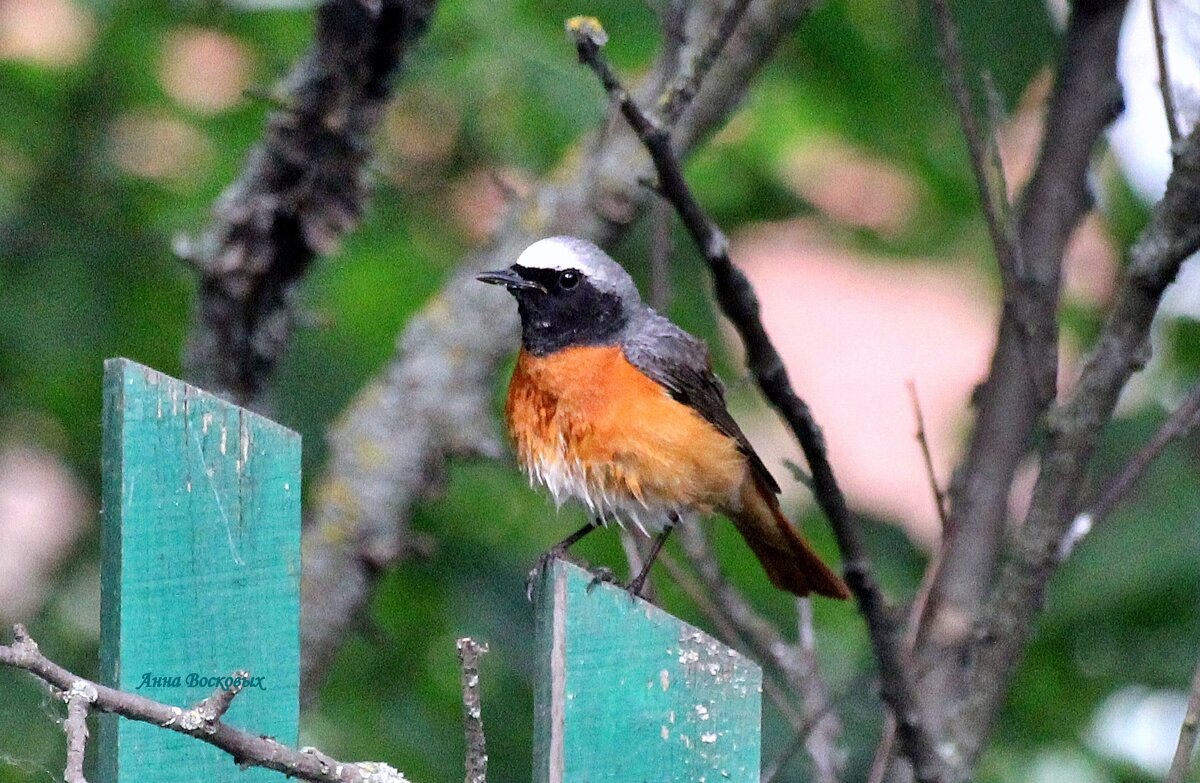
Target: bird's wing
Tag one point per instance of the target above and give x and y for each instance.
(680, 364)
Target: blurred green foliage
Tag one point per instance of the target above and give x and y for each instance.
(86, 272)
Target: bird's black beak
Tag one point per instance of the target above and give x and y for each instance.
(511, 279)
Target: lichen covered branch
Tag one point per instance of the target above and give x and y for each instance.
(303, 187)
(79, 700)
(469, 653)
(201, 722)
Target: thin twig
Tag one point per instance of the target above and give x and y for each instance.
(244, 748)
(79, 699)
(939, 497)
(1184, 419)
(916, 613)
(1187, 734)
(469, 653)
(822, 749)
(995, 121)
(822, 741)
(984, 155)
(739, 303)
(1164, 75)
(992, 196)
(213, 708)
(883, 750)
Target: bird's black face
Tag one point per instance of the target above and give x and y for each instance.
(560, 308)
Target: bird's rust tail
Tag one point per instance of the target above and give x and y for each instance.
(789, 561)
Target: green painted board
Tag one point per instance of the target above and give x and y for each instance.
(200, 570)
(627, 693)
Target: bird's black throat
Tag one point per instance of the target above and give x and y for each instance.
(562, 318)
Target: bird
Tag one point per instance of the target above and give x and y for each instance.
(612, 404)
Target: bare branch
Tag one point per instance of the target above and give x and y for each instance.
(79, 698)
(469, 653)
(1009, 404)
(822, 741)
(1184, 419)
(434, 399)
(1164, 74)
(1172, 235)
(824, 727)
(740, 305)
(244, 748)
(303, 187)
(1182, 760)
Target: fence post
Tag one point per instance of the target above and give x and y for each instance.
(627, 693)
(200, 570)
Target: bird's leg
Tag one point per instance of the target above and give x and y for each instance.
(555, 552)
(639, 581)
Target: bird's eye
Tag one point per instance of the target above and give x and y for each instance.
(568, 280)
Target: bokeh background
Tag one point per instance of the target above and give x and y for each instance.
(844, 184)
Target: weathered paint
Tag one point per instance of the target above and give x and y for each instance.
(626, 692)
(200, 570)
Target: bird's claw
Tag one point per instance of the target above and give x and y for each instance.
(634, 588)
(542, 563)
(535, 573)
(601, 575)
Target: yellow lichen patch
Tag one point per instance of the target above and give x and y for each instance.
(369, 453)
(336, 493)
(587, 27)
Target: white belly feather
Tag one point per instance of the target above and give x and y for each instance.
(567, 479)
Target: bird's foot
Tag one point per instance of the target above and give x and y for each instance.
(558, 550)
(634, 588)
(601, 575)
(543, 562)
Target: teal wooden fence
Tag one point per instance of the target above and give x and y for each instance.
(201, 575)
(627, 693)
(200, 570)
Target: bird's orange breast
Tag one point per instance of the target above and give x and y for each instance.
(588, 423)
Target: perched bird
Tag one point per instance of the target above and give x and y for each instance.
(614, 405)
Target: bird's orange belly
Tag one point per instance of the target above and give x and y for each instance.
(589, 425)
